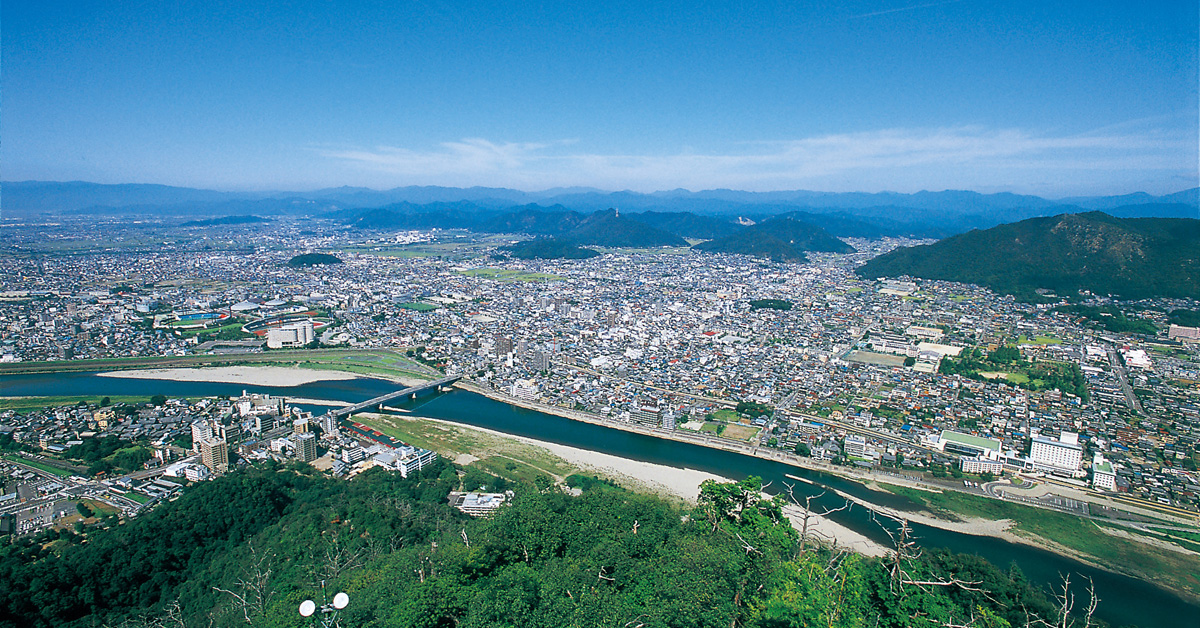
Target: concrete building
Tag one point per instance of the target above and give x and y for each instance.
(413, 459)
(306, 446)
(982, 465)
(477, 504)
(968, 445)
(1184, 334)
(200, 431)
(1063, 454)
(856, 446)
(1104, 476)
(525, 389)
(291, 335)
(214, 453)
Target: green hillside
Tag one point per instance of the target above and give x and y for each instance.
(1131, 258)
(247, 548)
(782, 239)
(548, 248)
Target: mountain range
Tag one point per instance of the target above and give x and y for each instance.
(1132, 258)
(920, 214)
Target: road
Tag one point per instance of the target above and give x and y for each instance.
(1123, 378)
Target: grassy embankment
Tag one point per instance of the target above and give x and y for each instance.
(1176, 570)
(504, 457)
(501, 456)
(28, 404)
(362, 361)
(371, 363)
(62, 473)
(504, 274)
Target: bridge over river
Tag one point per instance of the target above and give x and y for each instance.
(410, 392)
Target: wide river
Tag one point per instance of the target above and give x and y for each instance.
(1124, 600)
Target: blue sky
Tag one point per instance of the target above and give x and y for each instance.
(1048, 97)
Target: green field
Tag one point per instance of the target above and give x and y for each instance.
(374, 363)
(419, 307)
(498, 455)
(62, 473)
(504, 274)
(726, 415)
(27, 404)
(1173, 569)
(385, 359)
(1039, 340)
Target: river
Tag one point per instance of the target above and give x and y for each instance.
(1124, 600)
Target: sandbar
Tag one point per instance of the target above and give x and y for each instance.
(280, 376)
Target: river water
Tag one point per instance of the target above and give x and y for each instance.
(1124, 600)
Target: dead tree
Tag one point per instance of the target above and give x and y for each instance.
(337, 558)
(252, 592)
(1065, 604)
(807, 511)
(905, 552)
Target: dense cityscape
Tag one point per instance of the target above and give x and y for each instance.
(810, 361)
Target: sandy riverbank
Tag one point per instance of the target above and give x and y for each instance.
(281, 376)
(667, 480)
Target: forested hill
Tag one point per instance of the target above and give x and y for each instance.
(247, 548)
(1132, 258)
(782, 239)
(548, 248)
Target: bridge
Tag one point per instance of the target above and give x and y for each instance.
(411, 392)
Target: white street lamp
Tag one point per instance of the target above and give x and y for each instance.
(329, 610)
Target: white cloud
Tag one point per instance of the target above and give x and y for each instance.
(898, 159)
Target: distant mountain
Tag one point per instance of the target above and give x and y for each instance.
(688, 225)
(225, 220)
(549, 248)
(755, 244)
(534, 220)
(55, 196)
(782, 239)
(1128, 257)
(609, 228)
(458, 215)
(847, 214)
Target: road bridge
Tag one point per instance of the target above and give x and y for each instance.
(410, 392)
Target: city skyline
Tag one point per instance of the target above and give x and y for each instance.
(864, 96)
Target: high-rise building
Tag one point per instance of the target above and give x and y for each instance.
(329, 423)
(200, 431)
(214, 453)
(306, 446)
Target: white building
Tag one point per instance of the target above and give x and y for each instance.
(1184, 334)
(478, 504)
(1104, 476)
(292, 335)
(856, 446)
(525, 389)
(1136, 358)
(982, 465)
(1063, 454)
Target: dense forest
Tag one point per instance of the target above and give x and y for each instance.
(780, 239)
(1133, 258)
(247, 548)
(313, 259)
(549, 248)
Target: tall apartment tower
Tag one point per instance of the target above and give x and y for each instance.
(306, 446)
(214, 453)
